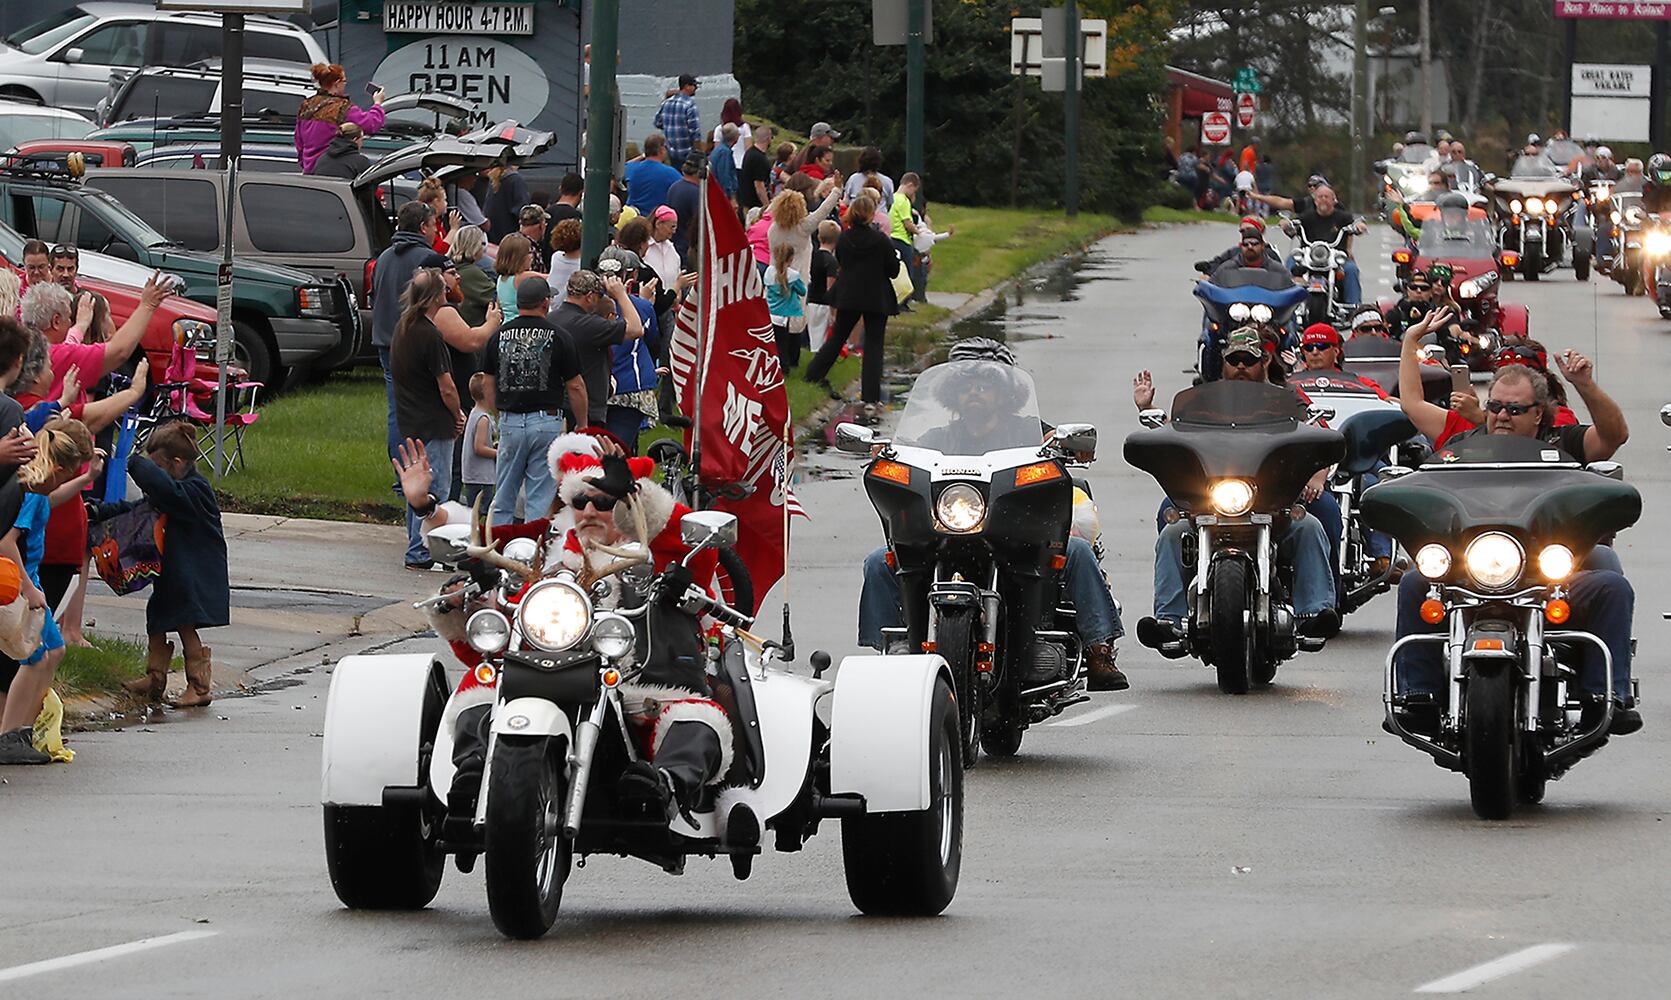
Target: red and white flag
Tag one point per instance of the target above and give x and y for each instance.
(724, 354)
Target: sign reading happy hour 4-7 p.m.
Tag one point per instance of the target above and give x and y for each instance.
(503, 80)
(1615, 10)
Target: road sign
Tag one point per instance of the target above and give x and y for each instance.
(1246, 107)
(1215, 128)
(1028, 49)
(223, 303)
(1247, 81)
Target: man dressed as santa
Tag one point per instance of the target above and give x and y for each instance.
(684, 735)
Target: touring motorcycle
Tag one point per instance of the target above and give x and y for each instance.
(977, 515)
(1534, 212)
(1320, 268)
(1243, 296)
(1460, 239)
(875, 747)
(1631, 228)
(1498, 526)
(1234, 458)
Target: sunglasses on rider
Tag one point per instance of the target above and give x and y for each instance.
(1419, 286)
(1374, 326)
(1513, 409)
(584, 500)
(1243, 359)
(1314, 348)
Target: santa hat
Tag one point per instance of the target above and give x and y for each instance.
(577, 472)
(573, 443)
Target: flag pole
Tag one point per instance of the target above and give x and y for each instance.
(699, 371)
(788, 643)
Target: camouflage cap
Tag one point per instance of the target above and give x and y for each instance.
(1245, 338)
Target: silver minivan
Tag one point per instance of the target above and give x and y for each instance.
(67, 59)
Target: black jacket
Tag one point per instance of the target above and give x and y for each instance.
(868, 264)
(342, 158)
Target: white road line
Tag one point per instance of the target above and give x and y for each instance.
(1094, 715)
(99, 955)
(1497, 968)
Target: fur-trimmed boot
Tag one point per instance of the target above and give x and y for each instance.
(151, 686)
(196, 692)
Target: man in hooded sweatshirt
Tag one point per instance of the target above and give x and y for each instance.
(342, 158)
(415, 228)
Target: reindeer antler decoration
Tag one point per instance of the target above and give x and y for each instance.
(624, 558)
(478, 548)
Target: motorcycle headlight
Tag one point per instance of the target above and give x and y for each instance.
(1534, 206)
(1494, 560)
(1433, 560)
(1556, 562)
(1551, 206)
(1232, 497)
(1469, 289)
(960, 508)
(1657, 243)
(1633, 214)
(1616, 217)
(488, 632)
(1239, 311)
(1487, 342)
(554, 615)
(613, 636)
(1260, 313)
(1514, 205)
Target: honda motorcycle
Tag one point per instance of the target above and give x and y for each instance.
(1233, 458)
(563, 659)
(977, 515)
(1498, 526)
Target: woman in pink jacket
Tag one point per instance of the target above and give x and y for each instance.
(319, 116)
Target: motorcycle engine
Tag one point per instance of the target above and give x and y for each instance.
(1050, 663)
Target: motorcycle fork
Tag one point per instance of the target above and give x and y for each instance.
(580, 759)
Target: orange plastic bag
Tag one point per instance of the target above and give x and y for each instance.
(11, 581)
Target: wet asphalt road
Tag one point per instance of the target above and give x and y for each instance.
(1164, 842)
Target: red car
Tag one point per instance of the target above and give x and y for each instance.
(94, 152)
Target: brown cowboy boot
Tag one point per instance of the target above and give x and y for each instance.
(1099, 664)
(196, 693)
(151, 686)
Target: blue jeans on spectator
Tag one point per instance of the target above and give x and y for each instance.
(1304, 546)
(440, 452)
(389, 397)
(1603, 603)
(1098, 618)
(523, 466)
(624, 422)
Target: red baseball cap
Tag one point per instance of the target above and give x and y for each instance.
(1320, 333)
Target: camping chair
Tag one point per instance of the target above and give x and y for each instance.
(183, 395)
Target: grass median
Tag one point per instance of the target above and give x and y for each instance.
(317, 451)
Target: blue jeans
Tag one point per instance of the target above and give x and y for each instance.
(440, 452)
(523, 466)
(1304, 546)
(1326, 509)
(1603, 603)
(625, 422)
(389, 397)
(1098, 618)
(1351, 290)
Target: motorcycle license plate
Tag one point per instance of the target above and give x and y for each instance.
(1317, 286)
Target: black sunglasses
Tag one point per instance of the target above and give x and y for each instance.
(1415, 287)
(1373, 326)
(1243, 359)
(1311, 348)
(585, 500)
(1514, 409)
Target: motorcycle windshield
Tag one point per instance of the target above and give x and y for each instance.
(1533, 167)
(1467, 239)
(1253, 286)
(1241, 430)
(971, 408)
(1416, 152)
(1524, 486)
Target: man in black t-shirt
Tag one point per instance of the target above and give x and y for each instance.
(532, 372)
(596, 315)
(754, 179)
(426, 399)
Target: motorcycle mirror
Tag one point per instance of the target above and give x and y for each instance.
(1079, 439)
(1151, 417)
(523, 550)
(1488, 179)
(1665, 414)
(708, 528)
(1393, 472)
(447, 543)
(1612, 470)
(855, 439)
(1381, 167)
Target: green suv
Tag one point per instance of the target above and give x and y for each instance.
(282, 317)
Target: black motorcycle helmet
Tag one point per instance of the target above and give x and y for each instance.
(1659, 170)
(1453, 213)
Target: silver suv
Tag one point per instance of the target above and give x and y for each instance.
(67, 59)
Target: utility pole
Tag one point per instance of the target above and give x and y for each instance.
(1070, 110)
(1425, 32)
(1360, 104)
(600, 131)
(916, 54)
(231, 150)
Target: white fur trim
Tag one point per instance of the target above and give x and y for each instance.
(448, 623)
(477, 695)
(657, 505)
(735, 795)
(572, 443)
(574, 484)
